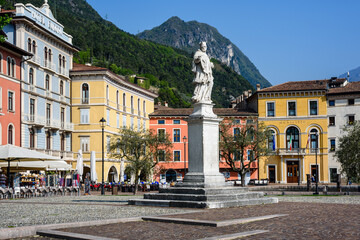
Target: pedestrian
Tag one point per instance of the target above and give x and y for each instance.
(87, 184)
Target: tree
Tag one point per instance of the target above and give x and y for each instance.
(142, 150)
(241, 145)
(348, 153)
(4, 20)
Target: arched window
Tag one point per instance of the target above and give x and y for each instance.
(13, 67)
(292, 138)
(32, 137)
(45, 56)
(62, 142)
(47, 82)
(132, 104)
(138, 106)
(34, 47)
(85, 93)
(63, 59)
(314, 139)
(29, 45)
(144, 108)
(48, 140)
(107, 92)
(272, 141)
(59, 61)
(124, 102)
(9, 66)
(61, 87)
(117, 99)
(50, 54)
(11, 134)
(31, 76)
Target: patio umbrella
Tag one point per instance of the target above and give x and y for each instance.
(93, 166)
(59, 165)
(10, 153)
(80, 164)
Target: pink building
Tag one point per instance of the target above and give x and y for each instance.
(10, 96)
(173, 121)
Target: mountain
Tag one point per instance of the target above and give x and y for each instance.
(167, 69)
(354, 75)
(187, 35)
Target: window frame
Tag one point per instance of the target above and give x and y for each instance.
(267, 109)
(331, 103)
(332, 147)
(175, 155)
(11, 101)
(288, 108)
(332, 123)
(176, 137)
(317, 107)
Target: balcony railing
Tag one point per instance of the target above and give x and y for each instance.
(298, 151)
(33, 119)
(85, 100)
(63, 71)
(124, 108)
(36, 59)
(51, 123)
(62, 98)
(48, 64)
(132, 110)
(32, 88)
(67, 126)
(48, 93)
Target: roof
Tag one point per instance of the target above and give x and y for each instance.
(85, 68)
(303, 85)
(167, 111)
(351, 87)
(15, 49)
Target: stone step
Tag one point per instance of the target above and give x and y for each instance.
(201, 204)
(193, 197)
(204, 191)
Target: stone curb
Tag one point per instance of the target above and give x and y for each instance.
(235, 235)
(211, 223)
(70, 235)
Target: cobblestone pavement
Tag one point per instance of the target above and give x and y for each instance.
(309, 217)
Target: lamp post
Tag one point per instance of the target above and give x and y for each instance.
(184, 140)
(317, 169)
(102, 124)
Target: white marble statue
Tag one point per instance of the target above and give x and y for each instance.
(204, 79)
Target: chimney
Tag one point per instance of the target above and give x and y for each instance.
(258, 87)
(166, 104)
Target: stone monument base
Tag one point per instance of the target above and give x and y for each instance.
(190, 197)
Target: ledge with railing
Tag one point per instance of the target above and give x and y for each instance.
(33, 119)
(48, 64)
(85, 101)
(36, 59)
(298, 151)
(63, 71)
(67, 126)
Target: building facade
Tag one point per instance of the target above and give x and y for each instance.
(173, 121)
(343, 108)
(45, 86)
(99, 93)
(296, 113)
(10, 93)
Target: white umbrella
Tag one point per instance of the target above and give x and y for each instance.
(59, 165)
(79, 164)
(11, 153)
(93, 166)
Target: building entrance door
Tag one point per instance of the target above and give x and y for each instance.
(292, 171)
(272, 177)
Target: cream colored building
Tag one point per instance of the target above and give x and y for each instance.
(99, 93)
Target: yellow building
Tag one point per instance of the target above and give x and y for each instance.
(99, 93)
(296, 113)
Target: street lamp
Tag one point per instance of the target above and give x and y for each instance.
(317, 169)
(102, 125)
(184, 140)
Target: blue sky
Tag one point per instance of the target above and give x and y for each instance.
(287, 40)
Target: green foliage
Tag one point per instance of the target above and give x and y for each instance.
(140, 149)
(167, 68)
(348, 153)
(235, 144)
(4, 20)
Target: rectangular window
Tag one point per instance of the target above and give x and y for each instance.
(48, 113)
(62, 117)
(331, 103)
(236, 133)
(161, 121)
(249, 155)
(351, 119)
(138, 125)
(249, 121)
(271, 109)
(108, 139)
(331, 121)
(313, 108)
(161, 134)
(117, 120)
(132, 123)
(332, 145)
(176, 121)
(176, 156)
(237, 155)
(108, 117)
(351, 101)
(124, 121)
(32, 109)
(292, 108)
(176, 135)
(84, 141)
(10, 101)
(161, 156)
(84, 116)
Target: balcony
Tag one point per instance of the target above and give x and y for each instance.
(288, 152)
(65, 155)
(62, 98)
(144, 114)
(132, 110)
(63, 71)
(124, 108)
(32, 88)
(32, 119)
(52, 124)
(49, 65)
(36, 59)
(67, 126)
(48, 93)
(85, 101)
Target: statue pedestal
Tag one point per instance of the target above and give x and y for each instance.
(203, 186)
(203, 132)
